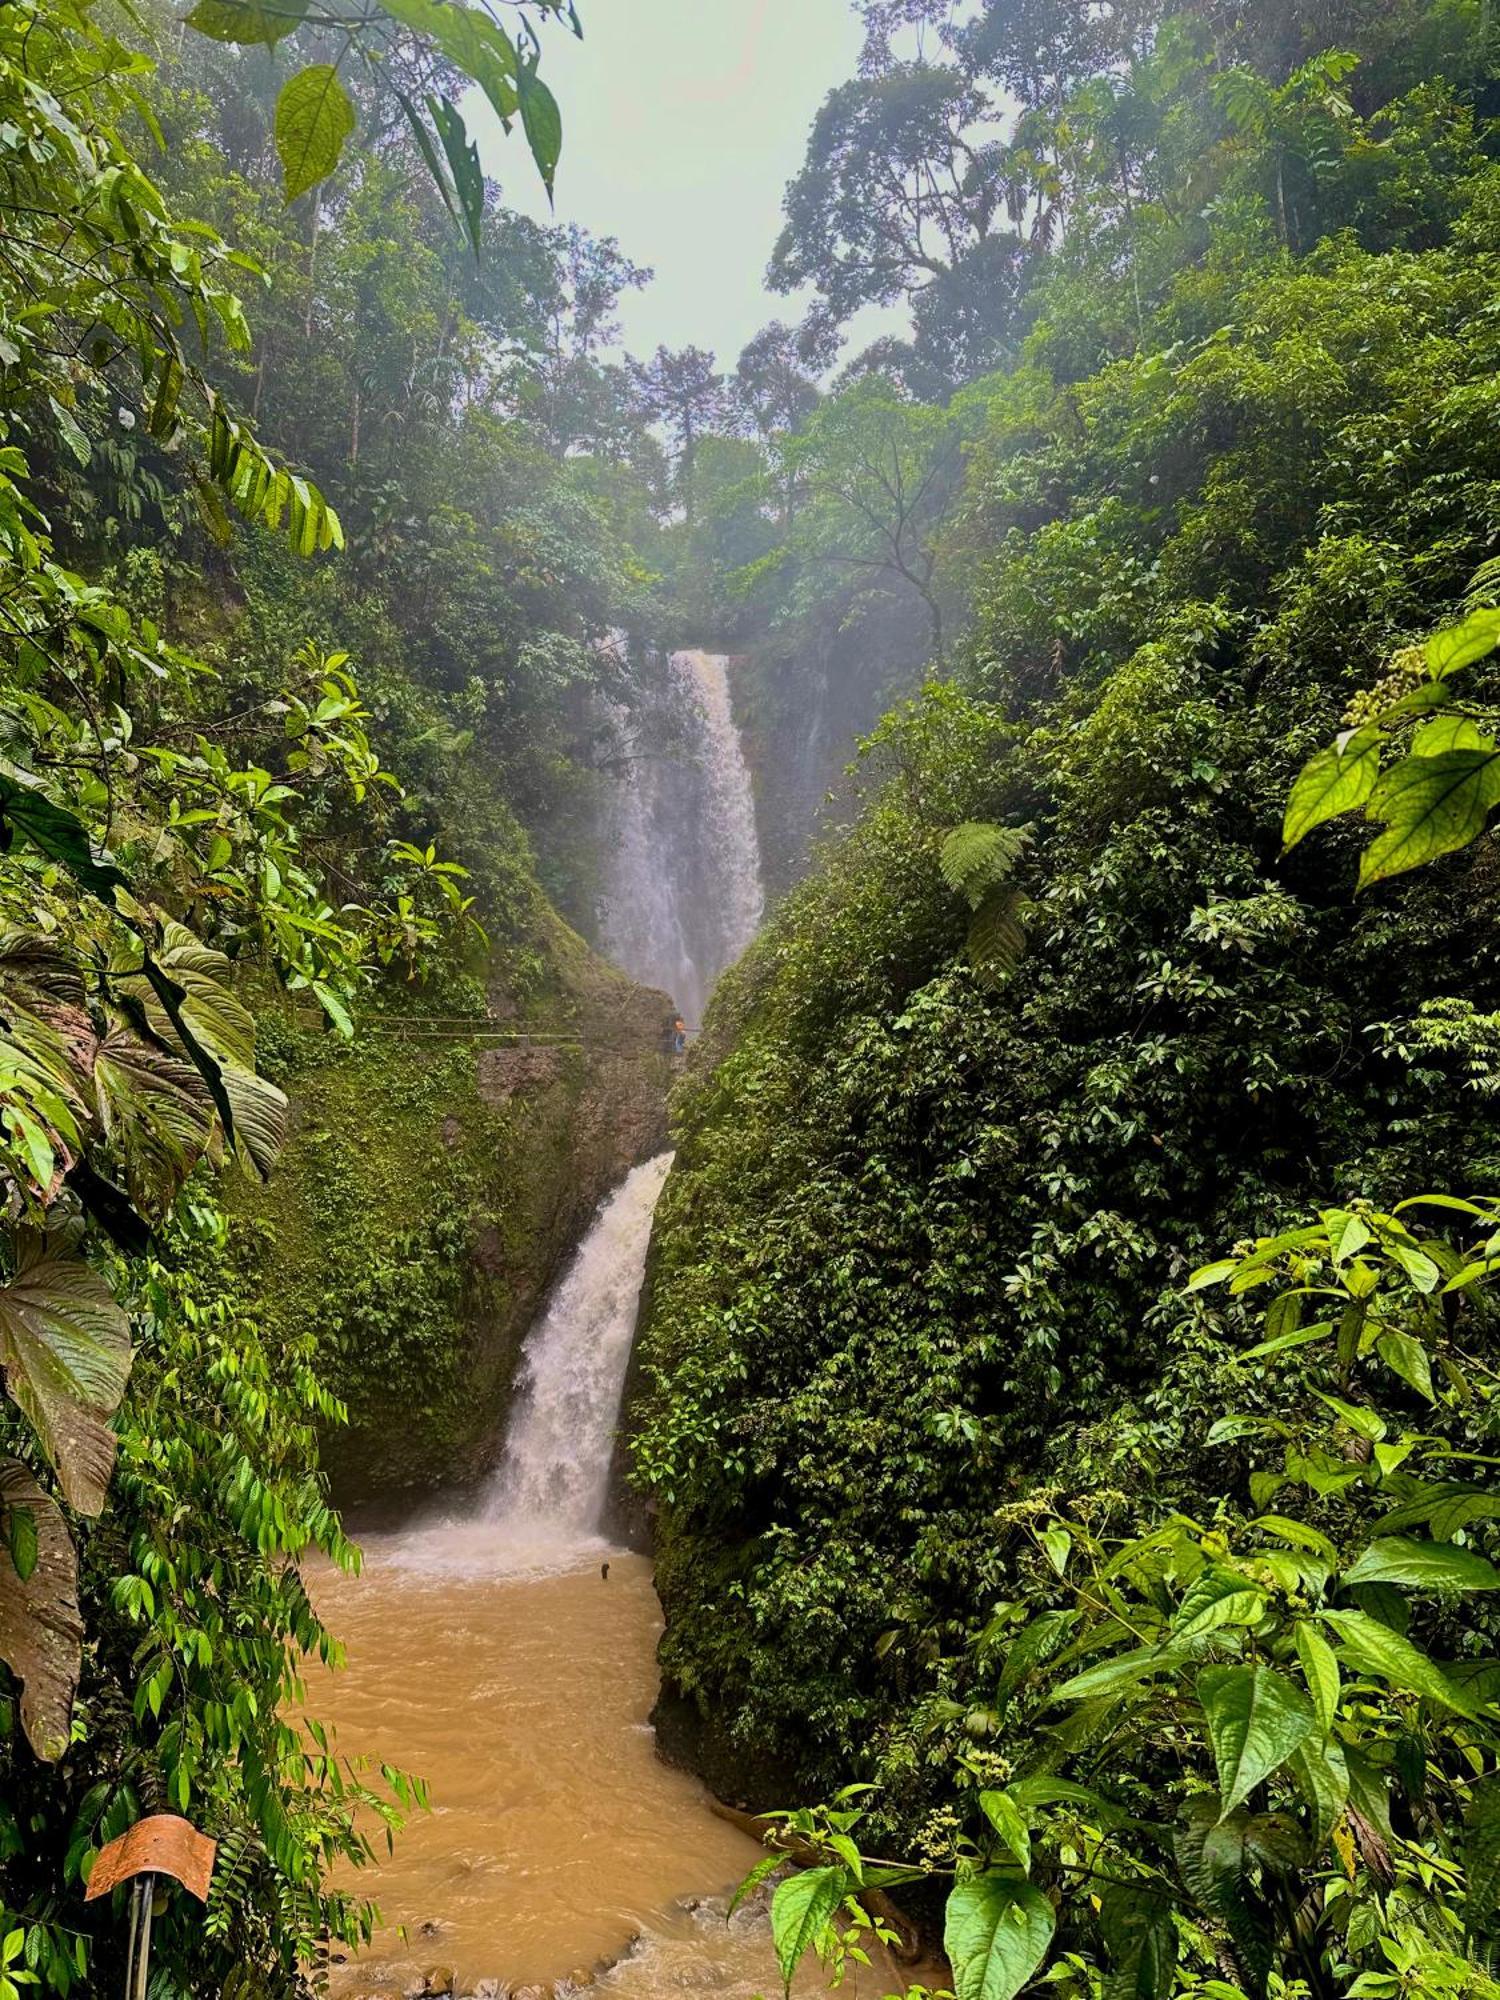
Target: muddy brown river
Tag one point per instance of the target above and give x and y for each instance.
(488, 1655)
(556, 1834)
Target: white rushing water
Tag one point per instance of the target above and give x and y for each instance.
(683, 892)
(552, 1482)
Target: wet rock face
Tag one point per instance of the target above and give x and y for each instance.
(505, 1073)
(693, 1741)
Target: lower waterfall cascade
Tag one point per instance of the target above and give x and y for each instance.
(552, 1482)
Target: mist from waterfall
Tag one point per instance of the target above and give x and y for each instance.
(552, 1483)
(683, 894)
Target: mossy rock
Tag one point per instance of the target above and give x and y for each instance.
(435, 1181)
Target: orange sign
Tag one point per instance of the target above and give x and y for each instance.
(161, 1845)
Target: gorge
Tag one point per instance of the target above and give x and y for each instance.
(507, 1650)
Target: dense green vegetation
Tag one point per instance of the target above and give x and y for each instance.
(939, 1430)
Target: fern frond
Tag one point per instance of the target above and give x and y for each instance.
(997, 937)
(977, 857)
(240, 1854)
(1484, 584)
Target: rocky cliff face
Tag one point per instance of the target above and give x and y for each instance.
(434, 1185)
(803, 702)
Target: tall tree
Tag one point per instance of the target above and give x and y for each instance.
(585, 400)
(682, 390)
(899, 192)
(878, 470)
(778, 394)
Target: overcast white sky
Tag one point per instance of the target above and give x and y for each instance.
(683, 121)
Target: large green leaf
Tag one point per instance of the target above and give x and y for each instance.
(65, 1350)
(471, 42)
(41, 1633)
(156, 1113)
(1444, 1506)
(1214, 1862)
(1136, 1921)
(1321, 1667)
(1336, 780)
(247, 21)
(1256, 1718)
(313, 119)
(463, 163)
(217, 1017)
(801, 1910)
(46, 1053)
(1005, 1816)
(1423, 1566)
(1444, 733)
(260, 1118)
(1461, 645)
(977, 857)
(1046, 1790)
(997, 937)
(1407, 1357)
(58, 834)
(995, 1935)
(1430, 806)
(1375, 1649)
(1322, 1777)
(1218, 1597)
(541, 121)
(185, 1002)
(1122, 1671)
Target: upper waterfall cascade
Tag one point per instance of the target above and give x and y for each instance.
(553, 1478)
(683, 893)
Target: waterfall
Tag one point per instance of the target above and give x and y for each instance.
(552, 1481)
(683, 893)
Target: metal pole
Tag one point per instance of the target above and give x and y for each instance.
(148, 1891)
(135, 1918)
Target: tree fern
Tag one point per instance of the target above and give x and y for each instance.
(978, 860)
(978, 857)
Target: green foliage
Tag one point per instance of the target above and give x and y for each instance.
(1437, 796)
(961, 1490)
(179, 830)
(877, 469)
(1275, 1663)
(995, 1935)
(192, 1691)
(413, 40)
(977, 861)
(313, 119)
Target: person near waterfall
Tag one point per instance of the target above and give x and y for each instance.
(679, 1036)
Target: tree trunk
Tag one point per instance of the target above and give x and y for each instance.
(312, 267)
(935, 618)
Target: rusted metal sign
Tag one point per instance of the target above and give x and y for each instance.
(161, 1845)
